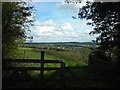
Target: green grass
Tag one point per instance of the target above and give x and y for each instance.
(76, 78)
(28, 53)
(24, 48)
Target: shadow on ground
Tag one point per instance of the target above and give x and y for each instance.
(80, 78)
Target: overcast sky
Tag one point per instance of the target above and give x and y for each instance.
(54, 23)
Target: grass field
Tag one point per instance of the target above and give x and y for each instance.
(28, 53)
(73, 78)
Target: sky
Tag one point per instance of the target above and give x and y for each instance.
(54, 23)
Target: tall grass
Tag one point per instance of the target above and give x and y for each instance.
(71, 58)
(78, 55)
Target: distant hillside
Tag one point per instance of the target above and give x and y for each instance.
(82, 43)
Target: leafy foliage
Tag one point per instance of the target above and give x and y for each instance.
(105, 18)
(15, 23)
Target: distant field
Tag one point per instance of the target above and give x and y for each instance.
(72, 53)
(29, 53)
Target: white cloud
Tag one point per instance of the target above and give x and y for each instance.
(85, 36)
(45, 23)
(51, 31)
(46, 0)
(67, 27)
(72, 7)
(45, 34)
(50, 28)
(45, 28)
(59, 33)
(60, 26)
(84, 33)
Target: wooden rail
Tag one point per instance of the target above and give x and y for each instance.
(93, 67)
(32, 61)
(30, 68)
(42, 68)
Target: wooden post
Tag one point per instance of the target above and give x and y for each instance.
(62, 74)
(42, 64)
(42, 69)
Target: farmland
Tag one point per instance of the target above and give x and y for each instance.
(73, 54)
(70, 53)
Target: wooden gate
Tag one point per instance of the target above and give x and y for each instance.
(62, 68)
(42, 68)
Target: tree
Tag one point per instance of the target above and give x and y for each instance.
(105, 18)
(14, 24)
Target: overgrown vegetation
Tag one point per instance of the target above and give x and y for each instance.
(105, 17)
(15, 23)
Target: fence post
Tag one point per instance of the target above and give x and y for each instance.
(62, 74)
(42, 64)
(42, 69)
